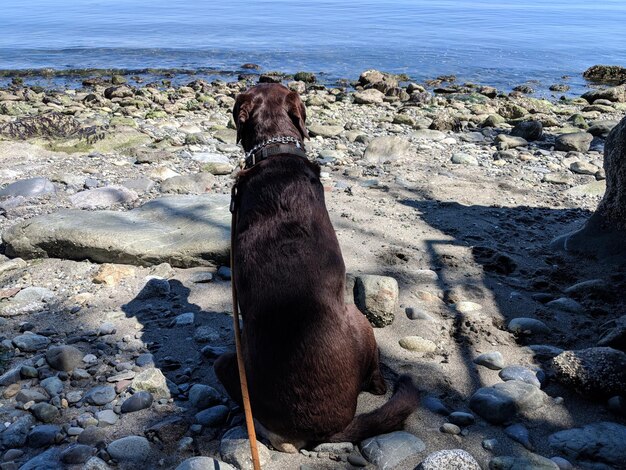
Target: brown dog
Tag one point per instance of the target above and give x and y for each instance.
(307, 354)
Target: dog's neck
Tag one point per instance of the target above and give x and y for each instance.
(282, 145)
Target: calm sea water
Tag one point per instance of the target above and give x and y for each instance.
(502, 43)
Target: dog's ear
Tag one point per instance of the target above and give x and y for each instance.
(297, 113)
(241, 112)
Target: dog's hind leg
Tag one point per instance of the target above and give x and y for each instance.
(227, 373)
(375, 384)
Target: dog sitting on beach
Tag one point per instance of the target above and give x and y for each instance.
(307, 354)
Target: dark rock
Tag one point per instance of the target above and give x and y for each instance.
(519, 433)
(77, 454)
(203, 396)
(213, 416)
(100, 395)
(614, 335)
(168, 431)
(15, 435)
(139, 401)
(606, 73)
(30, 342)
(504, 401)
(64, 358)
(461, 419)
(130, 449)
(50, 125)
(528, 130)
(43, 435)
(45, 412)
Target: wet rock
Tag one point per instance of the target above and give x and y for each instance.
(491, 360)
(597, 443)
(520, 373)
(43, 435)
(204, 463)
(118, 92)
(199, 183)
(387, 149)
(594, 371)
(577, 142)
(235, 449)
(388, 450)
(151, 380)
(461, 418)
(100, 395)
(138, 401)
(203, 396)
(212, 417)
(45, 412)
(376, 297)
(528, 326)
(28, 188)
(130, 449)
(528, 130)
(504, 401)
(64, 358)
(77, 454)
(100, 198)
(454, 459)
(30, 342)
(182, 230)
(605, 73)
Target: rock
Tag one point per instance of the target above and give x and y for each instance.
(527, 462)
(450, 428)
(435, 405)
(418, 344)
(198, 183)
(382, 81)
(118, 92)
(461, 419)
(96, 463)
(528, 326)
(34, 294)
(504, 401)
(77, 454)
(92, 435)
(597, 372)
(100, 395)
(30, 394)
(605, 73)
(169, 430)
(520, 373)
(556, 178)
(562, 463)
(235, 449)
(518, 432)
(48, 460)
(614, 334)
(592, 444)
(155, 287)
(100, 198)
(203, 396)
(602, 128)
(45, 412)
(64, 358)
(151, 380)
(15, 435)
(376, 297)
(505, 142)
(428, 135)
(204, 463)
(184, 319)
(29, 342)
(583, 168)
(212, 417)
(139, 185)
(138, 401)
(388, 450)
(491, 360)
(464, 159)
(43, 435)
(106, 418)
(214, 163)
(184, 231)
(565, 304)
(576, 141)
(528, 130)
(371, 96)
(493, 120)
(387, 149)
(52, 385)
(112, 274)
(131, 449)
(455, 459)
(595, 188)
(28, 188)
(616, 94)
(324, 130)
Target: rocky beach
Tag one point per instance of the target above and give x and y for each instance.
(446, 198)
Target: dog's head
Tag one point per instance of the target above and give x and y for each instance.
(268, 110)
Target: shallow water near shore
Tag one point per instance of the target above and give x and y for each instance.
(504, 44)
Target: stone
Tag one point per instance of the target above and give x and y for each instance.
(169, 430)
(30, 342)
(43, 435)
(324, 130)
(595, 188)
(100, 198)
(15, 435)
(454, 459)
(596, 372)
(461, 418)
(138, 401)
(435, 405)
(198, 183)
(377, 297)
(565, 304)
(154, 288)
(184, 319)
(52, 385)
(388, 450)
(605, 73)
(235, 449)
(417, 344)
(613, 94)
(112, 274)
(100, 395)
(528, 326)
(151, 380)
(183, 231)
(370, 96)
(387, 149)
(203, 463)
(576, 142)
(505, 142)
(491, 360)
(45, 412)
(30, 394)
(96, 463)
(505, 401)
(203, 396)
(593, 444)
(527, 462)
(379, 80)
(139, 185)
(212, 417)
(520, 373)
(48, 460)
(130, 449)
(464, 159)
(31, 187)
(614, 334)
(556, 178)
(106, 418)
(518, 432)
(602, 128)
(450, 428)
(64, 358)
(92, 435)
(583, 168)
(528, 130)
(77, 454)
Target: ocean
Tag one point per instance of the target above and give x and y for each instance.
(501, 43)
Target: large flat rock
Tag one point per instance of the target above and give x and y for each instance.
(185, 231)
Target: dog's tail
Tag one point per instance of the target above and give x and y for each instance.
(389, 417)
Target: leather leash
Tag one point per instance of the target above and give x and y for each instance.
(247, 408)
